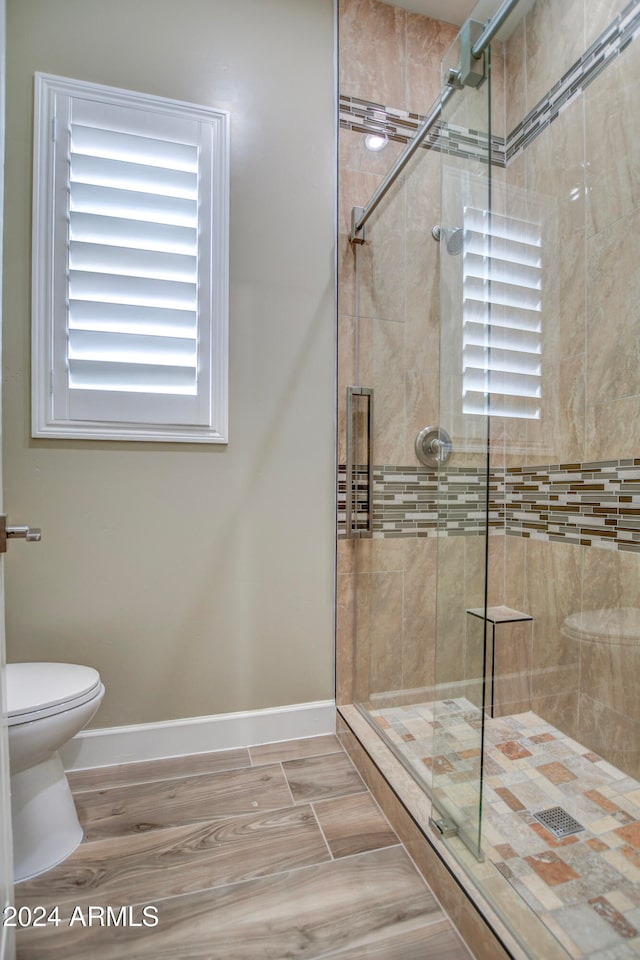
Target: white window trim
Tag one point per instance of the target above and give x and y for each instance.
(44, 424)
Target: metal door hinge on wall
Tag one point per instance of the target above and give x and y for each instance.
(32, 534)
(471, 70)
(359, 480)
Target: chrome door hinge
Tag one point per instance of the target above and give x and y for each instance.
(444, 826)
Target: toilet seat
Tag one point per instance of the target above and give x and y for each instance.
(38, 690)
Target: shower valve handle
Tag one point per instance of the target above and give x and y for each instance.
(433, 447)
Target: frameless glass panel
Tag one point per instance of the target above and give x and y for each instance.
(397, 347)
(463, 481)
(380, 358)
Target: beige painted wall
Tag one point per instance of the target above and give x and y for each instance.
(197, 579)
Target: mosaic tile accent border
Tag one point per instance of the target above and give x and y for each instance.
(363, 116)
(360, 497)
(611, 42)
(589, 504)
(412, 502)
(593, 504)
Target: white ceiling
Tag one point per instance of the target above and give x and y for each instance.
(451, 11)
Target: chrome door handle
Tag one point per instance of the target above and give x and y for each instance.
(356, 525)
(32, 534)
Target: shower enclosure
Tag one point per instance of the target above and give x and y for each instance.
(489, 537)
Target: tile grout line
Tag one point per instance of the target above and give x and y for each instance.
(323, 833)
(293, 801)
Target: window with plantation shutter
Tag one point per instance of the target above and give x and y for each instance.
(130, 265)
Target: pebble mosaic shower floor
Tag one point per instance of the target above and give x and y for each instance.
(585, 887)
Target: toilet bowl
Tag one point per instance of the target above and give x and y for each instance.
(47, 704)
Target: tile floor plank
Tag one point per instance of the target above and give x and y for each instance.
(118, 811)
(294, 749)
(177, 860)
(436, 941)
(298, 915)
(316, 778)
(123, 774)
(354, 825)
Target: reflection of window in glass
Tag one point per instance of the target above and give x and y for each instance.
(502, 281)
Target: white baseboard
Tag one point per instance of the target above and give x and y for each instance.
(178, 738)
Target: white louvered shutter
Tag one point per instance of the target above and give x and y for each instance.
(138, 265)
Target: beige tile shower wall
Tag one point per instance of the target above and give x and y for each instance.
(612, 137)
(558, 199)
(391, 56)
(584, 170)
(395, 616)
(198, 580)
(387, 587)
(460, 587)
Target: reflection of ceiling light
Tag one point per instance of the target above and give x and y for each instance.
(375, 141)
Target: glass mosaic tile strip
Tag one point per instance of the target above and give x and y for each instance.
(595, 503)
(361, 116)
(611, 42)
(409, 501)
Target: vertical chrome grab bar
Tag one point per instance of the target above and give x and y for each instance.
(348, 508)
(352, 512)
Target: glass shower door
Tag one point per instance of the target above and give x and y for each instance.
(463, 481)
(396, 355)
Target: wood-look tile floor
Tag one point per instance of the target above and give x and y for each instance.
(270, 853)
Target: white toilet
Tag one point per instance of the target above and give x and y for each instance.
(47, 704)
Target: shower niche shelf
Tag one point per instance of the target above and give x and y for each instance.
(507, 639)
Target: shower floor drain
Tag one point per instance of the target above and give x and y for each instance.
(558, 822)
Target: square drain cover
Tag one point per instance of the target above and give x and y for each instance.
(558, 822)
